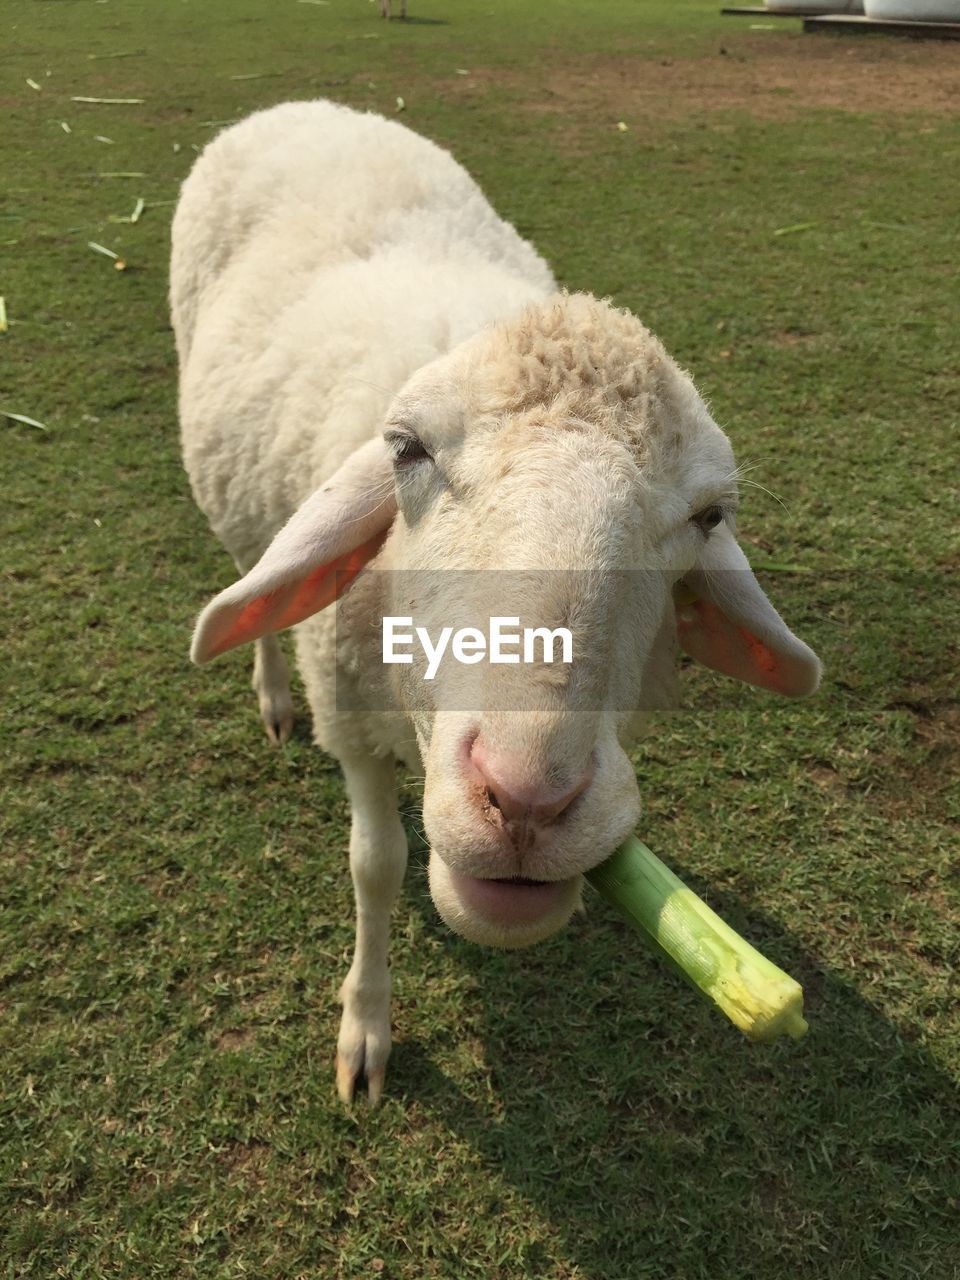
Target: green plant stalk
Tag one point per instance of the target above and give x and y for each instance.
(762, 1000)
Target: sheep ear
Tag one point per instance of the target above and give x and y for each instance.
(725, 621)
(312, 559)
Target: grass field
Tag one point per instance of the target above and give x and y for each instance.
(176, 908)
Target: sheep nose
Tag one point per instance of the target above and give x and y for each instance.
(520, 799)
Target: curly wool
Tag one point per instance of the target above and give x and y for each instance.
(582, 360)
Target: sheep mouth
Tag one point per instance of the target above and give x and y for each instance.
(502, 911)
(513, 900)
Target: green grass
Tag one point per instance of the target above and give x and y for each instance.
(176, 906)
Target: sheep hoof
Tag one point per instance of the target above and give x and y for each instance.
(276, 712)
(375, 1081)
(352, 1076)
(363, 1044)
(271, 684)
(279, 728)
(347, 1079)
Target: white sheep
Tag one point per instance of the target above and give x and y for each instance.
(385, 8)
(377, 370)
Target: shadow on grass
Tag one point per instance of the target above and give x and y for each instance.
(658, 1142)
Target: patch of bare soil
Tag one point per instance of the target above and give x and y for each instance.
(769, 76)
(936, 725)
(234, 1040)
(245, 1157)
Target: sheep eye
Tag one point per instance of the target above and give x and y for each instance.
(708, 518)
(408, 450)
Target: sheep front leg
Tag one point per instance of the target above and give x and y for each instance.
(271, 676)
(271, 684)
(378, 860)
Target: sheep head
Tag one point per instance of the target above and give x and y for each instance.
(559, 470)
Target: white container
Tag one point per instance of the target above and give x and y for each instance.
(809, 7)
(913, 10)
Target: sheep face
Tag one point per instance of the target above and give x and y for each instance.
(562, 472)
